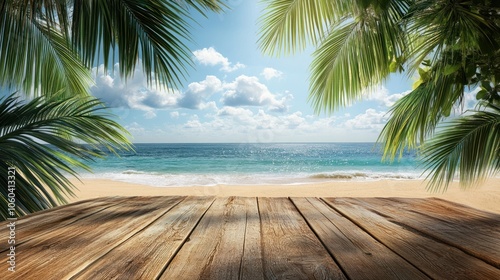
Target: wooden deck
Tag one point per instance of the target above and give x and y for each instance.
(256, 238)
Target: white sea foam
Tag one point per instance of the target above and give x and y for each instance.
(356, 175)
(191, 179)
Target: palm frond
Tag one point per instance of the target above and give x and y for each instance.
(287, 25)
(202, 6)
(45, 138)
(156, 30)
(35, 56)
(452, 44)
(415, 116)
(356, 55)
(440, 26)
(469, 146)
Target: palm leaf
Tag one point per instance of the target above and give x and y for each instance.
(36, 57)
(124, 29)
(452, 44)
(440, 26)
(287, 25)
(469, 146)
(356, 55)
(31, 141)
(415, 116)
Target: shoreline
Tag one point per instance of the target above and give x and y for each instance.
(485, 197)
(248, 179)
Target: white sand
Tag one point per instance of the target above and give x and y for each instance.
(485, 197)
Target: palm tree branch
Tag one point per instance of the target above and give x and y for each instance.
(437, 26)
(31, 141)
(287, 25)
(353, 58)
(37, 59)
(156, 30)
(469, 145)
(415, 116)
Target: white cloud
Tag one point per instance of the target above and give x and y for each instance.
(159, 99)
(210, 85)
(242, 121)
(150, 115)
(381, 94)
(234, 111)
(294, 120)
(136, 94)
(197, 93)
(211, 57)
(324, 124)
(236, 117)
(174, 114)
(135, 128)
(193, 123)
(270, 73)
(248, 91)
(240, 124)
(209, 106)
(370, 119)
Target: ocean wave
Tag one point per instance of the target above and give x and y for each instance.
(130, 172)
(365, 176)
(213, 179)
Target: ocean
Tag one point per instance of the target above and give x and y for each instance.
(165, 165)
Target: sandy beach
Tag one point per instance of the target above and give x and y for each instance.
(485, 197)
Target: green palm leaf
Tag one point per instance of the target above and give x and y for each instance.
(357, 43)
(351, 59)
(469, 146)
(155, 30)
(452, 45)
(35, 57)
(287, 25)
(414, 117)
(440, 26)
(47, 47)
(45, 138)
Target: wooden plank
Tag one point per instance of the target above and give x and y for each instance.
(61, 207)
(145, 255)
(215, 247)
(458, 208)
(478, 235)
(485, 222)
(252, 266)
(29, 227)
(28, 220)
(290, 248)
(436, 259)
(65, 252)
(359, 255)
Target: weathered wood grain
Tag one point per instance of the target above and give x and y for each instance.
(436, 259)
(63, 253)
(145, 255)
(252, 266)
(290, 249)
(215, 247)
(475, 234)
(358, 253)
(31, 226)
(256, 238)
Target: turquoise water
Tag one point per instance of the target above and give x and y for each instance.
(212, 164)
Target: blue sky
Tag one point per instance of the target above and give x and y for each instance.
(237, 94)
